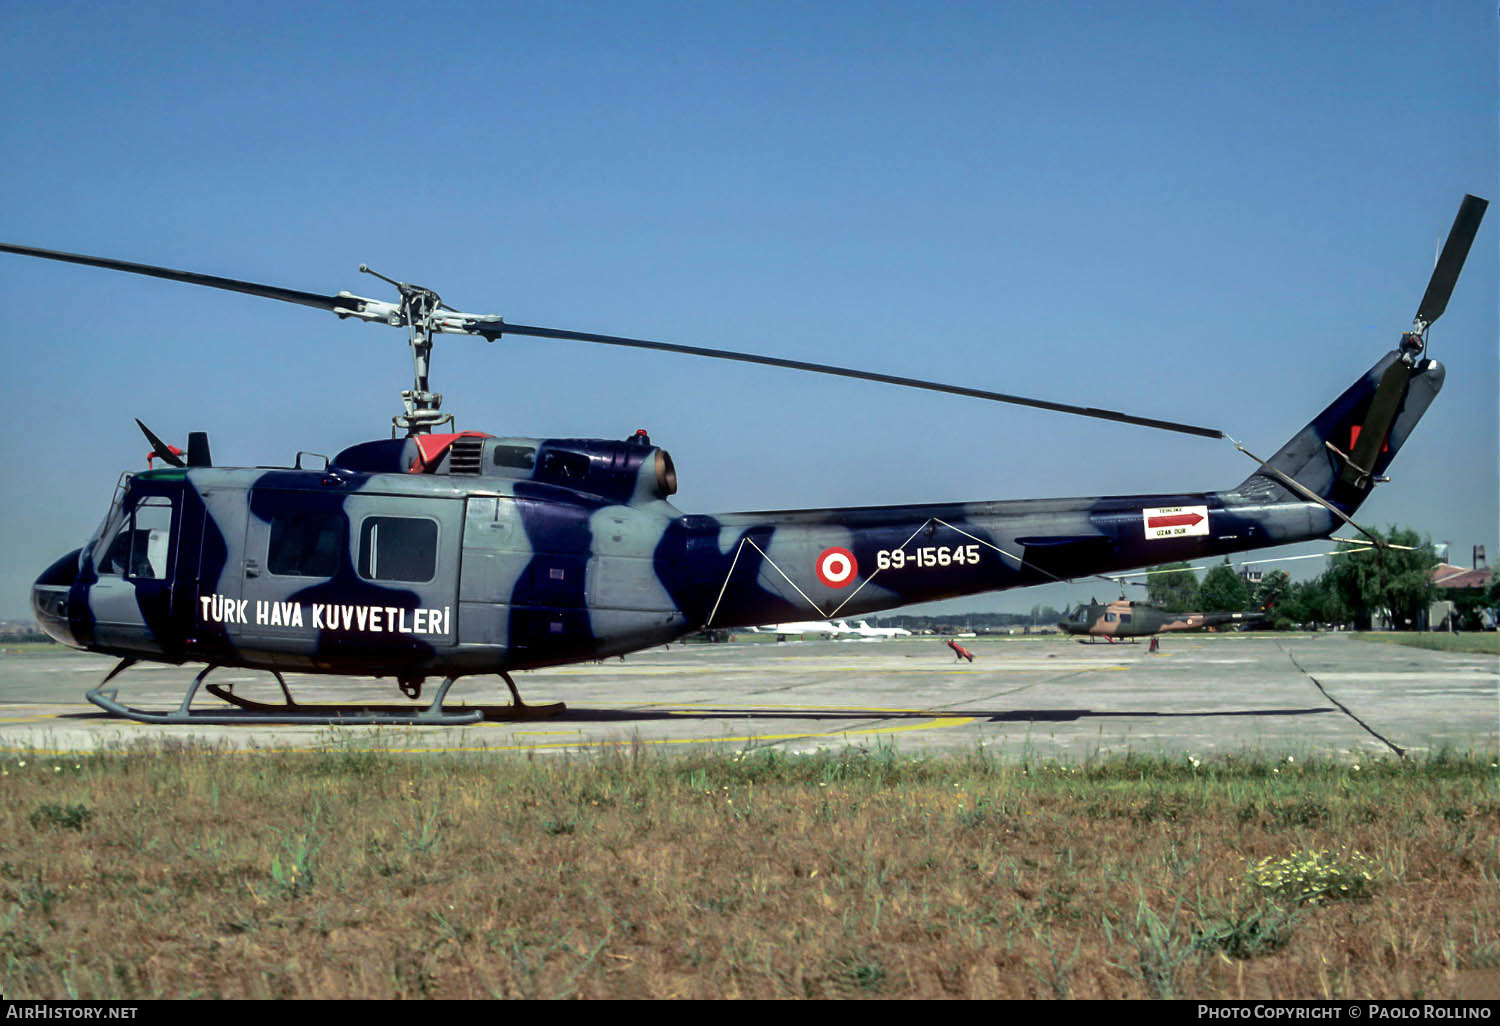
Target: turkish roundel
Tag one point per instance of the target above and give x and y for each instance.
(837, 567)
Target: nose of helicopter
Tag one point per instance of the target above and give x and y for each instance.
(49, 598)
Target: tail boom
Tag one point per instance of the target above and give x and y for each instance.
(754, 568)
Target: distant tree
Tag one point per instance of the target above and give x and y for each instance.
(1397, 582)
(1354, 581)
(1272, 589)
(1174, 592)
(1469, 605)
(1294, 606)
(1223, 591)
(1312, 603)
(1044, 615)
(1492, 595)
(1333, 608)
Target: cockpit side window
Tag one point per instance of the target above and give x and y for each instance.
(141, 546)
(117, 556)
(307, 544)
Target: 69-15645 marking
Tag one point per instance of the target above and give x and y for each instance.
(928, 556)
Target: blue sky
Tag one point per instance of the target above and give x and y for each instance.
(1217, 213)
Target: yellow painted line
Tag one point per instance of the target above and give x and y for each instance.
(903, 666)
(937, 723)
(717, 671)
(933, 724)
(688, 710)
(615, 668)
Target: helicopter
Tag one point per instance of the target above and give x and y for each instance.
(451, 554)
(1126, 619)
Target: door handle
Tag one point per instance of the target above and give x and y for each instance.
(252, 568)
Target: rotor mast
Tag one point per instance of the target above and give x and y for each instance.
(418, 312)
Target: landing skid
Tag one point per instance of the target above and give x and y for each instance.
(249, 711)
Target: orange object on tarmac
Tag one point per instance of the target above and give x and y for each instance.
(959, 652)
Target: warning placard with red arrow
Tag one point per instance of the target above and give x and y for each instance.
(1175, 522)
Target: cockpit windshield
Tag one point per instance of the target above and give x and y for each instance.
(135, 537)
(110, 525)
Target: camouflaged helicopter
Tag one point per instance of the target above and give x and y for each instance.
(448, 555)
(1126, 620)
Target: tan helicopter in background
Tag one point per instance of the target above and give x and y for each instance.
(1126, 619)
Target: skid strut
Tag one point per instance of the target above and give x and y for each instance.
(250, 711)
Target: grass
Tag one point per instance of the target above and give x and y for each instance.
(1482, 642)
(350, 872)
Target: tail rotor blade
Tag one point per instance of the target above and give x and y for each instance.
(1455, 252)
(1358, 469)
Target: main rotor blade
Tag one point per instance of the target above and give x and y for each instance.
(496, 331)
(190, 277)
(1455, 252)
(162, 449)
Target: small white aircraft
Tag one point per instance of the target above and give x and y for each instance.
(864, 630)
(800, 627)
(861, 629)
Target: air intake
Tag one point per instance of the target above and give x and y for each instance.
(466, 456)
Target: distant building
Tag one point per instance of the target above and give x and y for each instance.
(21, 630)
(1458, 586)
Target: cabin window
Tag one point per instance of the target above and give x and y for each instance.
(1124, 617)
(306, 544)
(140, 548)
(398, 549)
(1109, 617)
(518, 457)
